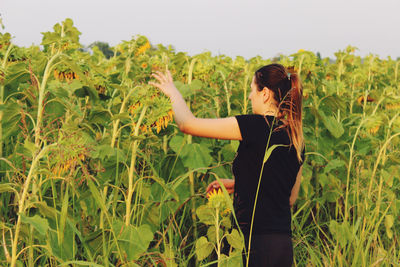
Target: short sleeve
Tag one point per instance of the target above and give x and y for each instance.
(251, 127)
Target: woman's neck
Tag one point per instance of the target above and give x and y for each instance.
(271, 113)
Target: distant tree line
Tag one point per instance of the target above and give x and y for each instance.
(103, 47)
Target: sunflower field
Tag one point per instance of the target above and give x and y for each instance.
(94, 171)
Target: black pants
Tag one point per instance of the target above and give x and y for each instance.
(270, 250)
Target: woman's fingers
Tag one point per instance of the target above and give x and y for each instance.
(163, 75)
(165, 82)
(163, 78)
(228, 184)
(212, 186)
(169, 75)
(209, 187)
(155, 84)
(158, 77)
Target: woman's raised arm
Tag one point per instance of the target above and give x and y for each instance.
(220, 128)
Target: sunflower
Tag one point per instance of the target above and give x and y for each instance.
(374, 129)
(142, 49)
(133, 107)
(360, 100)
(217, 200)
(67, 165)
(392, 106)
(63, 75)
(162, 122)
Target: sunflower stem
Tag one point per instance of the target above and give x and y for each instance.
(217, 234)
(135, 145)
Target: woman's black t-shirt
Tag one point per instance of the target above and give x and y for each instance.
(272, 214)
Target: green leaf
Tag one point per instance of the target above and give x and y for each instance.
(51, 214)
(341, 232)
(235, 240)
(10, 120)
(66, 249)
(235, 144)
(222, 171)
(389, 221)
(50, 37)
(87, 91)
(124, 115)
(226, 222)
(205, 214)
(269, 151)
(388, 177)
(99, 116)
(323, 179)
(195, 156)
(105, 151)
(46, 210)
(196, 85)
(228, 152)
(166, 187)
(59, 89)
(8, 187)
(334, 164)
(153, 215)
(63, 217)
(96, 195)
(17, 73)
(203, 248)
(176, 143)
(40, 224)
(182, 192)
(184, 89)
(334, 127)
(234, 259)
(30, 146)
(212, 234)
(56, 108)
(80, 263)
(74, 85)
(133, 240)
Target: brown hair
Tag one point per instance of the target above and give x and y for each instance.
(288, 93)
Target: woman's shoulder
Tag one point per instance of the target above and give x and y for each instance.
(251, 120)
(250, 116)
(254, 125)
(255, 117)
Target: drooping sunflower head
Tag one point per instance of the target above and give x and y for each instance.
(142, 49)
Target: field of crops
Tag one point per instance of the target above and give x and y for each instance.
(94, 171)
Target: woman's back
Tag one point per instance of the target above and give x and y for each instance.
(272, 213)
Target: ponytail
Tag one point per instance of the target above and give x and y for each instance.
(294, 114)
(288, 93)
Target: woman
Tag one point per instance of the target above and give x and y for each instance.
(276, 99)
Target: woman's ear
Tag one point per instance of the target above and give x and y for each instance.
(266, 93)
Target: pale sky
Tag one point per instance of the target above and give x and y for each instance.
(232, 27)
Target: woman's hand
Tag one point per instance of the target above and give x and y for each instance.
(228, 183)
(224, 128)
(166, 84)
